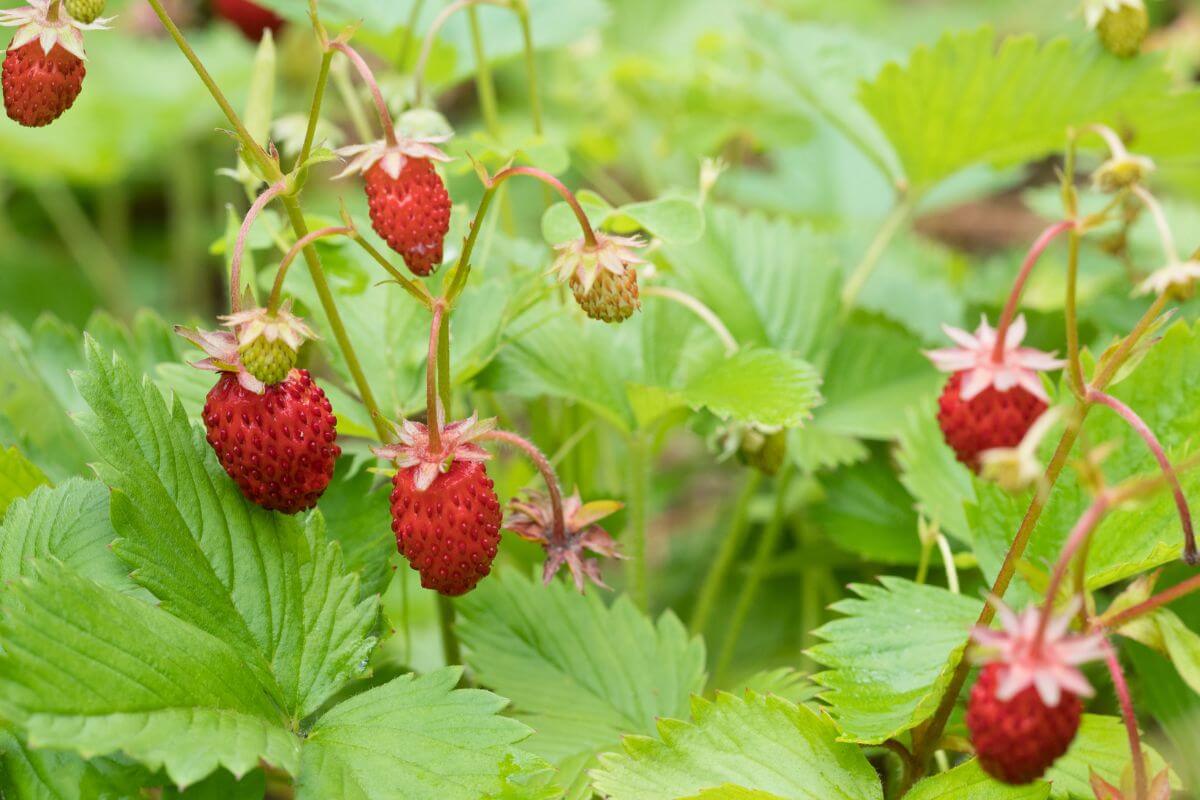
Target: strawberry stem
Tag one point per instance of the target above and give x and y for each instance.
(368, 77)
(1121, 686)
(1160, 223)
(277, 289)
(706, 314)
(1079, 534)
(1154, 603)
(431, 37)
(239, 247)
(554, 183)
(548, 475)
(433, 419)
(1190, 554)
(1010, 308)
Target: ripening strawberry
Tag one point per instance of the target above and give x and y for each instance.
(1121, 25)
(1024, 710)
(987, 403)
(252, 19)
(445, 512)
(409, 204)
(602, 275)
(43, 67)
(271, 426)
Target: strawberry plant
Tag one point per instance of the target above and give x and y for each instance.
(677, 401)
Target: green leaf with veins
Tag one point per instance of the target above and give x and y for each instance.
(675, 220)
(969, 782)
(578, 672)
(27, 774)
(1101, 745)
(69, 523)
(18, 477)
(891, 657)
(275, 591)
(419, 733)
(89, 669)
(763, 387)
(942, 485)
(1130, 540)
(867, 511)
(963, 101)
(1164, 631)
(759, 743)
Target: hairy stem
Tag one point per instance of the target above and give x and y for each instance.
(431, 37)
(433, 419)
(443, 357)
(1160, 223)
(368, 77)
(239, 247)
(706, 314)
(314, 113)
(731, 545)
(1074, 362)
(277, 289)
(543, 466)
(450, 647)
(531, 74)
(485, 87)
(1031, 259)
(1127, 714)
(891, 226)
(1078, 537)
(1163, 598)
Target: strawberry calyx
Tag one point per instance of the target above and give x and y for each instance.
(975, 357)
(49, 24)
(581, 262)
(391, 157)
(456, 442)
(532, 518)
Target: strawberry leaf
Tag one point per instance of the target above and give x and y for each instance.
(579, 672)
(969, 782)
(759, 743)
(18, 477)
(1101, 745)
(27, 774)
(891, 657)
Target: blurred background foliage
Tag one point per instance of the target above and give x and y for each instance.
(116, 218)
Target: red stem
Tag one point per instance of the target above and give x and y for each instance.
(1031, 259)
(543, 465)
(277, 289)
(364, 70)
(1131, 725)
(1154, 603)
(1079, 534)
(433, 418)
(1190, 554)
(239, 247)
(545, 177)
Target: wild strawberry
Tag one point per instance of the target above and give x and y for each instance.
(85, 10)
(43, 67)
(278, 439)
(602, 275)
(252, 19)
(1024, 710)
(1121, 25)
(279, 446)
(445, 513)
(269, 342)
(532, 519)
(989, 403)
(409, 204)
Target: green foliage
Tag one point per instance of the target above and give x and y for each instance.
(1102, 745)
(783, 750)
(969, 782)
(890, 658)
(579, 673)
(18, 477)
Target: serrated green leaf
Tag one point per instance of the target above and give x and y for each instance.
(813, 449)
(785, 682)
(18, 477)
(728, 792)
(758, 743)
(941, 484)
(963, 101)
(89, 669)
(969, 782)
(763, 387)
(68, 523)
(892, 655)
(419, 733)
(578, 672)
(1101, 745)
(221, 785)
(273, 590)
(867, 511)
(57, 775)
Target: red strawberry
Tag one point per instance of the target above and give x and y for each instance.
(444, 509)
(40, 86)
(279, 446)
(410, 211)
(251, 18)
(990, 419)
(450, 531)
(1018, 740)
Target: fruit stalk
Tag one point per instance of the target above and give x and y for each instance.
(531, 75)
(1190, 555)
(431, 37)
(1151, 605)
(730, 545)
(698, 308)
(485, 87)
(433, 416)
(1080, 534)
(314, 114)
(1031, 259)
(1121, 686)
(277, 289)
(1160, 223)
(239, 247)
(545, 468)
(368, 77)
(891, 226)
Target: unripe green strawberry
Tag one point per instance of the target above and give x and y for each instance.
(601, 275)
(1122, 30)
(268, 361)
(85, 10)
(610, 298)
(765, 451)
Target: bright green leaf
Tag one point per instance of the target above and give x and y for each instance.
(763, 387)
(969, 782)
(1103, 745)
(18, 477)
(928, 469)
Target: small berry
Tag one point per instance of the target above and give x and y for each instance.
(270, 362)
(411, 212)
(40, 86)
(1019, 739)
(1123, 29)
(252, 19)
(269, 341)
(991, 419)
(602, 275)
(85, 10)
(279, 446)
(1024, 711)
(449, 532)
(445, 513)
(990, 401)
